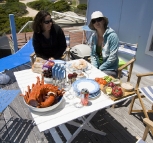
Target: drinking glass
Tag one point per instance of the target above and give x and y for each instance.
(78, 104)
(69, 92)
(84, 99)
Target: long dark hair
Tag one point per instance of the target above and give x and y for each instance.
(38, 20)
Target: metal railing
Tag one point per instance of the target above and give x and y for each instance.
(29, 23)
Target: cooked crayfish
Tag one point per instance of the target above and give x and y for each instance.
(42, 95)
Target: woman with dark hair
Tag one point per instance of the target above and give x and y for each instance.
(48, 38)
(104, 45)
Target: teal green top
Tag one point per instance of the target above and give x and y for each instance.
(99, 53)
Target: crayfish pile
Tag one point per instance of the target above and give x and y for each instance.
(42, 95)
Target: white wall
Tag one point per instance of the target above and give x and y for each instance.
(131, 19)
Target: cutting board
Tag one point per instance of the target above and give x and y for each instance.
(125, 94)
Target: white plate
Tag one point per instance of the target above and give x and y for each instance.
(44, 109)
(69, 66)
(89, 84)
(83, 76)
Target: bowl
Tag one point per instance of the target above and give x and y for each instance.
(116, 81)
(79, 65)
(127, 86)
(48, 80)
(44, 109)
(81, 75)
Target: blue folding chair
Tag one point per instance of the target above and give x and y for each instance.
(87, 32)
(145, 91)
(127, 49)
(21, 57)
(6, 97)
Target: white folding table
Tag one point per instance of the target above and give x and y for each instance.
(66, 112)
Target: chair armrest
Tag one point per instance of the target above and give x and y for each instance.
(63, 56)
(127, 64)
(148, 122)
(142, 75)
(145, 74)
(149, 126)
(33, 57)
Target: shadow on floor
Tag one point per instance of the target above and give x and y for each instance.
(16, 130)
(115, 132)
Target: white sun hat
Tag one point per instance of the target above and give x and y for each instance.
(95, 15)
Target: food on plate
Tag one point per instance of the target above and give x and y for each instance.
(37, 65)
(101, 80)
(42, 95)
(81, 74)
(110, 84)
(127, 86)
(47, 72)
(40, 60)
(108, 90)
(79, 65)
(47, 69)
(117, 91)
(102, 86)
(72, 77)
(116, 81)
(107, 78)
(75, 75)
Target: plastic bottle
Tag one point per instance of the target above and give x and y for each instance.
(53, 70)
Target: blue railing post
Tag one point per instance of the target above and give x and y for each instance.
(13, 31)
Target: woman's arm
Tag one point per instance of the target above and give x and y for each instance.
(61, 43)
(37, 46)
(113, 46)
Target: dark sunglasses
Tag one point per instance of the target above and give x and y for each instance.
(97, 19)
(48, 21)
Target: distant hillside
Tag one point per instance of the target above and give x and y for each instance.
(16, 8)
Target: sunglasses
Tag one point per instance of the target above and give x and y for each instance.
(48, 21)
(97, 19)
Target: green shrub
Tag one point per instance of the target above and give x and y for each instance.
(12, 0)
(16, 8)
(41, 5)
(82, 6)
(80, 12)
(20, 22)
(60, 6)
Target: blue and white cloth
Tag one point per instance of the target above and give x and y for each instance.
(147, 92)
(4, 79)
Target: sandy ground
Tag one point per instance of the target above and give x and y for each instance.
(32, 12)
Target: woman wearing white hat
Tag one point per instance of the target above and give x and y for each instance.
(104, 45)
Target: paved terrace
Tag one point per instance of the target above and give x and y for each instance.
(116, 122)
